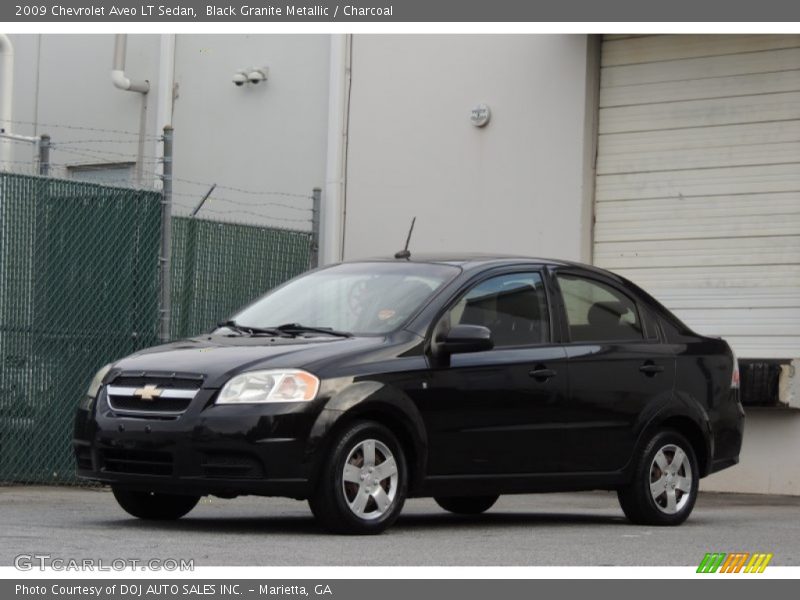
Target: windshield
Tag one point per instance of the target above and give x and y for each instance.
(361, 298)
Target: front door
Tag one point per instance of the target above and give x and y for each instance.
(488, 413)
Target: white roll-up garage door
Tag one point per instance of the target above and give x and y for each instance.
(697, 196)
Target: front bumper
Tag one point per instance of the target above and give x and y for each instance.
(209, 449)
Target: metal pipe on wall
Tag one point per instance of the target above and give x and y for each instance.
(165, 299)
(316, 196)
(6, 95)
(332, 210)
(123, 82)
(118, 77)
(165, 89)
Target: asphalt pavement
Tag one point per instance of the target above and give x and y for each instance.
(545, 529)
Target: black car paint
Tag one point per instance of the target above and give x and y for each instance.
(576, 425)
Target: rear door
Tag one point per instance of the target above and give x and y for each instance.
(617, 367)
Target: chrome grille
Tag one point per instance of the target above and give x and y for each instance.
(152, 396)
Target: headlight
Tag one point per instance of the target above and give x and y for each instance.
(281, 385)
(94, 388)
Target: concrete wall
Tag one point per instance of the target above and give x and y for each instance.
(62, 86)
(269, 137)
(516, 185)
(769, 459)
(256, 142)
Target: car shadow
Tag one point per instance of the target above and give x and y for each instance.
(306, 525)
(433, 520)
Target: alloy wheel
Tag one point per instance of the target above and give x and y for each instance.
(670, 479)
(370, 479)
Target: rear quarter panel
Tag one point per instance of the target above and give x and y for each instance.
(704, 369)
(704, 366)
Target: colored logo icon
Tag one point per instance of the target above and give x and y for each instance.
(736, 562)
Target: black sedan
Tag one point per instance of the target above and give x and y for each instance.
(358, 385)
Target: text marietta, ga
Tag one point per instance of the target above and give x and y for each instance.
(158, 590)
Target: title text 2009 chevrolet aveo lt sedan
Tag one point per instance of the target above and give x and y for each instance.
(361, 384)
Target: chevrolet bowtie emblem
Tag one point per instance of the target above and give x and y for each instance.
(148, 392)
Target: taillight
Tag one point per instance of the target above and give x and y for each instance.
(735, 374)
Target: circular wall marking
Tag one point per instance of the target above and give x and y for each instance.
(480, 115)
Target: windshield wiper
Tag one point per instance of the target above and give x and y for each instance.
(295, 328)
(248, 330)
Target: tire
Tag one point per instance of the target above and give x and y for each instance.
(675, 492)
(345, 499)
(155, 506)
(467, 505)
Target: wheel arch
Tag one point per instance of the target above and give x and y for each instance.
(690, 428)
(692, 432)
(372, 401)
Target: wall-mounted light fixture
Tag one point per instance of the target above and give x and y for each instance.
(480, 115)
(252, 75)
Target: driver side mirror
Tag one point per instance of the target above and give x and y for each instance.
(465, 338)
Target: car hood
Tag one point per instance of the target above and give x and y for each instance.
(218, 358)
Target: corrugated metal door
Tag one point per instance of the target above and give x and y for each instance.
(698, 181)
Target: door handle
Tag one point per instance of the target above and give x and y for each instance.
(541, 373)
(651, 369)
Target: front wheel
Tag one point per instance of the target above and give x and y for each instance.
(665, 482)
(467, 505)
(362, 485)
(155, 506)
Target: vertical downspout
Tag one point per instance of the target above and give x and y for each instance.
(122, 82)
(118, 76)
(332, 210)
(590, 147)
(6, 96)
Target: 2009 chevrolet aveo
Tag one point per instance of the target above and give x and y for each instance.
(361, 384)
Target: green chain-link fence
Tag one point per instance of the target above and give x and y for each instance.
(79, 288)
(219, 267)
(78, 285)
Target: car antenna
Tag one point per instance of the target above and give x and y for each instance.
(404, 253)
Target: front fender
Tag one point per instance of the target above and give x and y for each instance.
(377, 401)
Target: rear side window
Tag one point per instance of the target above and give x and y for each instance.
(597, 312)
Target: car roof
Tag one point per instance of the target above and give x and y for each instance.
(470, 260)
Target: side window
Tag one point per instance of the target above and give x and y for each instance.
(513, 307)
(597, 312)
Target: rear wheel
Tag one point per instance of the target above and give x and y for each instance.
(153, 505)
(467, 505)
(664, 486)
(363, 483)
